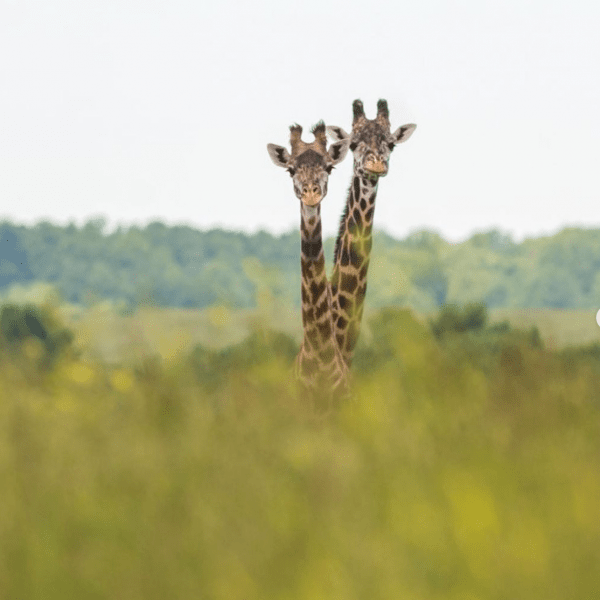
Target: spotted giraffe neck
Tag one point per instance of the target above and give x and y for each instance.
(320, 366)
(351, 263)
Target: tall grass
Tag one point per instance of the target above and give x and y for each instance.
(207, 478)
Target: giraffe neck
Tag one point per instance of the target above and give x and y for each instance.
(351, 263)
(319, 361)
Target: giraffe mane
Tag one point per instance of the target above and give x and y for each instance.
(341, 230)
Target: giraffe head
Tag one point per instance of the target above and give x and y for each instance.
(309, 164)
(372, 142)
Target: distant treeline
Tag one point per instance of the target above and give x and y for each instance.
(184, 267)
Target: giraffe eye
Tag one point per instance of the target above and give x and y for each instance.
(353, 146)
(291, 171)
(328, 169)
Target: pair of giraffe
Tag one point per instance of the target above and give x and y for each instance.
(332, 309)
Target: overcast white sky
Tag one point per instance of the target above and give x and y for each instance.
(162, 110)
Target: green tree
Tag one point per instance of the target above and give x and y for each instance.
(14, 262)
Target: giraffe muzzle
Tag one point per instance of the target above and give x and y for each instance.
(377, 167)
(312, 198)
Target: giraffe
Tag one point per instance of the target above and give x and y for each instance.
(371, 142)
(319, 367)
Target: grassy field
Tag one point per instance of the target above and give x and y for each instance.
(558, 328)
(183, 475)
(110, 336)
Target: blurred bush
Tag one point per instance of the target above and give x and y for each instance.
(454, 319)
(214, 368)
(464, 332)
(443, 479)
(33, 332)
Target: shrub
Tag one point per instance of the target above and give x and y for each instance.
(21, 323)
(213, 368)
(453, 319)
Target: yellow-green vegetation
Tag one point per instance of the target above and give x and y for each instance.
(108, 335)
(558, 328)
(450, 476)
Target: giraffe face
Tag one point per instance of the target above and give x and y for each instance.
(309, 164)
(371, 141)
(310, 174)
(371, 145)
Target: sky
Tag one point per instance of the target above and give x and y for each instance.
(142, 111)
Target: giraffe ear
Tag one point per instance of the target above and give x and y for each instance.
(279, 155)
(338, 151)
(337, 133)
(403, 133)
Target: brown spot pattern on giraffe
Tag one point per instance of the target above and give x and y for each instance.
(308, 315)
(360, 293)
(309, 365)
(324, 330)
(352, 336)
(348, 283)
(356, 187)
(305, 296)
(356, 258)
(316, 289)
(327, 355)
(345, 257)
(305, 268)
(318, 268)
(363, 271)
(311, 249)
(313, 337)
(322, 308)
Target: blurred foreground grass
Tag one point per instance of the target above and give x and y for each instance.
(460, 471)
